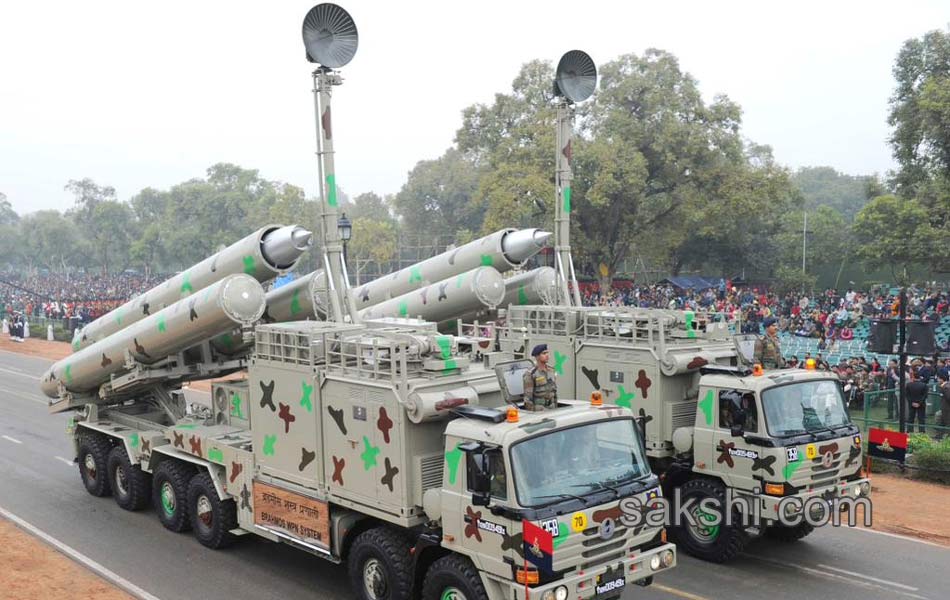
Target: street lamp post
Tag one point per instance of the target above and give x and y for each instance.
(346, 232)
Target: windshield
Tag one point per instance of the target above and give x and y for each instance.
(577, 461)
(804, 408)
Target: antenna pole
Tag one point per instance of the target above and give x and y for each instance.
(562, 206)
(341, 302)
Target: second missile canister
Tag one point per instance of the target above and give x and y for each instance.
(504, 250)
(262, 255)
(461, 294)
(235, 299)
(538, 286)
(290, 302)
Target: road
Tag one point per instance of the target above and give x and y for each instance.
(39, 484)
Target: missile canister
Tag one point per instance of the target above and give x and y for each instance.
(538, 286)
(235, 299)
(467, 292)
(291, 302)
(262, 255)
(504, 250)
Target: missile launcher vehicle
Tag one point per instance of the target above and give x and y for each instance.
(378, 443)
(779, 441)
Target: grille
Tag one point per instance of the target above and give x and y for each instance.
(430, 472)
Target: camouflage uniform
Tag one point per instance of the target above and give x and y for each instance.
(768, 353)
(540, 389)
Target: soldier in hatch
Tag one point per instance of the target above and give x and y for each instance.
(768, 352)
(540, 387)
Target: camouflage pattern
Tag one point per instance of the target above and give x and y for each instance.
(768, 353)
(540, 388)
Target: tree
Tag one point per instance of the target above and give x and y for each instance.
(658, 154)
(896, 232)
(439, 196)
(8, 216)
(846, 194)
(370, 206)
(48, 239)
(920, 112)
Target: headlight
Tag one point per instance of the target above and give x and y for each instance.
(866, 488)
(857, 490)
(548, 595)
(560, 593)
(790, 509)
(668, 558)
(655, 563)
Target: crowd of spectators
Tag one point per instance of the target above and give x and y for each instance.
(86, 296)
(827, 316)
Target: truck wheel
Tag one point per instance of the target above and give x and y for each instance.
(379, 564)
(715, 543)
(94, 463)
(211, 517)
(453, 578)
(170, 494)
(131, 486)
(789, 533)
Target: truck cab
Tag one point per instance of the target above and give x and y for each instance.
(782, 441)
(565, 470)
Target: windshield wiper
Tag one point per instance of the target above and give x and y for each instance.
(599, 485)
(561, 497)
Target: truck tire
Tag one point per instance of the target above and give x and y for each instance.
(453, 577)
(94, 451)
(131, 486)
(170, 494)
(716, 544)
(380, 565)
(788, 533)
(212, 518)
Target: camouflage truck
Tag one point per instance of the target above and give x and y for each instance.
(384, 447)
(713, 427)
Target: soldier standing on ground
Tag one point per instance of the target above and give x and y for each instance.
(540, 387)
(768, 351)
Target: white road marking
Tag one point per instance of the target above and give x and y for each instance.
(10, 439)
(82, 559)
(863, 576)
(906, 538)
(20, 373)
(829, 575)
(61, 459)
(677, 592)
(27, 397)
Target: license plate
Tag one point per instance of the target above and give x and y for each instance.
(610, 584)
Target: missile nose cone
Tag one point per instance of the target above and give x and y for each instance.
(541, 237)
(284, 245)
(302, 238)
(521, 245)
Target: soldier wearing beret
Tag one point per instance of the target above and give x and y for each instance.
(540, 387)
(768, 352)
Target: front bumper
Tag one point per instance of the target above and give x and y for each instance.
(583, 584)
(850, 490)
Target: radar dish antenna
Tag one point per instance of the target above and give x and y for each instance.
(330, 36)
(576, 76)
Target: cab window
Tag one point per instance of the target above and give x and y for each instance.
(738, 407)
(493, 463)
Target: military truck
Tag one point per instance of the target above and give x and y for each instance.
(711, 423)
(381, 444)
(381, 447)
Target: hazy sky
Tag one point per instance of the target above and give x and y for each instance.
(135, 94)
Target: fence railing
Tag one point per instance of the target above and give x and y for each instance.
(881, 409)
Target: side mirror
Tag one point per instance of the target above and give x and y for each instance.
(736, 430)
